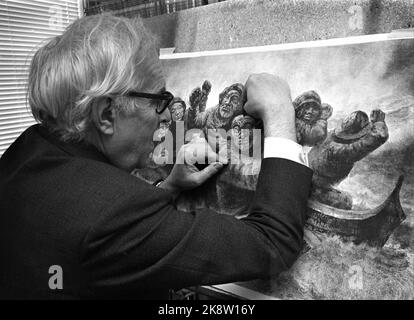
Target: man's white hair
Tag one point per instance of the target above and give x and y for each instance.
(97, 57)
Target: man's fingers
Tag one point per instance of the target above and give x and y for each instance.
(199, 150)
(209, 171)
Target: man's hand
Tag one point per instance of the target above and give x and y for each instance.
(269, 99)
(185, 174)
(377, 116)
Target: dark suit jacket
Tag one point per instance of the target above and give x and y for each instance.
(116, 236)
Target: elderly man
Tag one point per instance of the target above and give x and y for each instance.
(74, 223)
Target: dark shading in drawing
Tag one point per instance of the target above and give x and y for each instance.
(332, 161)
(219, 117)
(373, 226)
(311, 118)
(242, 132)
(332, 158)
(177, 109)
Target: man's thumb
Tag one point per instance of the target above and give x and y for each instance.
(249, 109)
(210, 171)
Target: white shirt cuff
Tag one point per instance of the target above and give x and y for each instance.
(275, 147)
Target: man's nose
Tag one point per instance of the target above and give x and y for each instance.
(165, 115)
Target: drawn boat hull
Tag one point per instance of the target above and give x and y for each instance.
(373, 226)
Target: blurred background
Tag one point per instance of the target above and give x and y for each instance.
(144, 8)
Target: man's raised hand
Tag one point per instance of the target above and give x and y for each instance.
(269, 99)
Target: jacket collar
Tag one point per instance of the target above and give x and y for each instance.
(77, 149)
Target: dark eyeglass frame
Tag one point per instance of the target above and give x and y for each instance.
(165, 96)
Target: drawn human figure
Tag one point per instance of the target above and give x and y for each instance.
(220, 116)
(162, 130)
(242, 133)
(161, 158)
(311, 118)
(243, 141)
(355, 138)
(177, 109)
(160, 155)
(245, 122)
(233, 188)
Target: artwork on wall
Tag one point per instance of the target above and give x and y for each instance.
(354, 105)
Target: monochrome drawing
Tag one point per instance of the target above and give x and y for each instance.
(354, 108)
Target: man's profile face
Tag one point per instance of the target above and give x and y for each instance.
(136, 129)
(133, 140)
(229, 104)
(135, 136)
(177, 111)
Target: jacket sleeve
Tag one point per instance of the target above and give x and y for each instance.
(143, 241)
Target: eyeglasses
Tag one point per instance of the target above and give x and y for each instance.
(164, 99)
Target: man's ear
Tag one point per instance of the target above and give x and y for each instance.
(103, 116)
